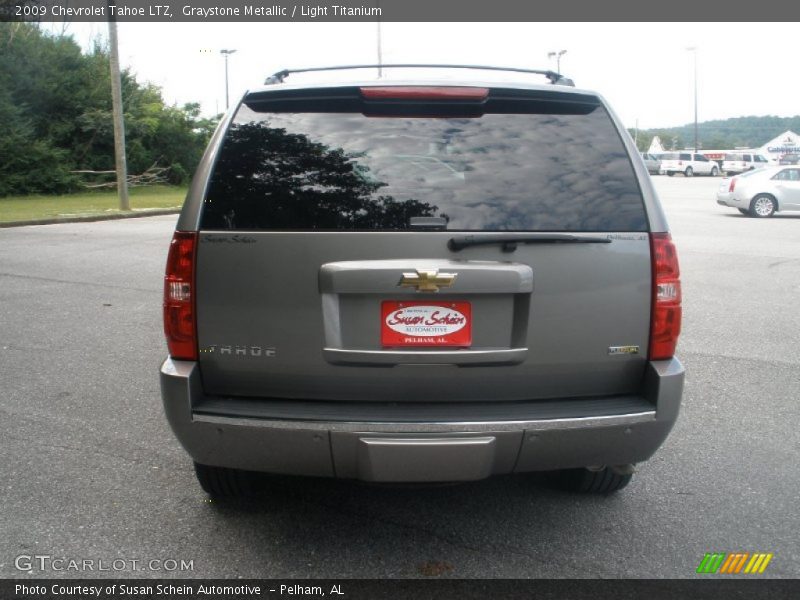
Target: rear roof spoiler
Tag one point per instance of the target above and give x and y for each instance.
(555, 78)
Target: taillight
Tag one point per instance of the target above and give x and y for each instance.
(732, 186)
(179, 289)
(424, 93)
(665, 320)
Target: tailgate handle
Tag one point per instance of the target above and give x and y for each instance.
(460, 358)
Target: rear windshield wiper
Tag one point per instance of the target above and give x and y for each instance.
(509, 242)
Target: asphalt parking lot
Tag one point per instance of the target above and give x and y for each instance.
(90, 469)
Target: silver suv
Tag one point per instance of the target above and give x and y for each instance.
(421, 281)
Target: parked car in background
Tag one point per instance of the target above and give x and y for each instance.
(739, 162)
(789, 159)
(652, 162)
(351, 294)
(688, 163)
(762, 192)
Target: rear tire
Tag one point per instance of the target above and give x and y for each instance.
(689, 172)
(763, 206)
(714, 171)
(670, 173)
(220, 482)
(584, 481)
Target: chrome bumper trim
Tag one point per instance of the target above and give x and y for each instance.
(448, 427)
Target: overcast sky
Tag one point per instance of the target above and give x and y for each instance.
(643, 69)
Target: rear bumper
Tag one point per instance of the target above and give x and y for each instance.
(729, 200)
(437, 443)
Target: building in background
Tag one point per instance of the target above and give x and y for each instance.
(786, 143)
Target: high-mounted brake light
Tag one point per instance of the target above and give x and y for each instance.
(665, 320)
(424, 93)
(179, 314)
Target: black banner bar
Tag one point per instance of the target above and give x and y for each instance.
(394, 10)
(418, 589)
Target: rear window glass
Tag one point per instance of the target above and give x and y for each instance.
(497, 172)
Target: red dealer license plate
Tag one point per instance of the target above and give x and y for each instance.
(426, 323)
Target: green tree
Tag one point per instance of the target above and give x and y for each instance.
(55, 110)
(28, 164)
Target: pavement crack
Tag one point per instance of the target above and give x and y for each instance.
(81, 283)
(598, 569)
(93, 451)
(782, 262)
(447, 539)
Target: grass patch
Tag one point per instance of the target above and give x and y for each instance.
(29, 208)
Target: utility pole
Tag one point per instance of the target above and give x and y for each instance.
(557, 56)
(119, 122)
(693, 50)
(380, 53)
(226, 54)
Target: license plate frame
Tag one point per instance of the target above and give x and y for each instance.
(426, 323)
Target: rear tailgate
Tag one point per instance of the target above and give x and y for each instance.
(326, 267)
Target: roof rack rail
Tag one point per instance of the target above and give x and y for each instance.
(555, 78)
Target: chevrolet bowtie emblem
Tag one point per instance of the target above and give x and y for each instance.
(427, 280)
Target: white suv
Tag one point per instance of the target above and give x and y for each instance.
(739, 162)
(688, 163)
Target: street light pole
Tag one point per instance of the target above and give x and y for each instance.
(557, 56)
(693, 50)
(226, 53)
(380, 45)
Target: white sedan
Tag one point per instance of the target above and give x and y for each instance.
(763, 192)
